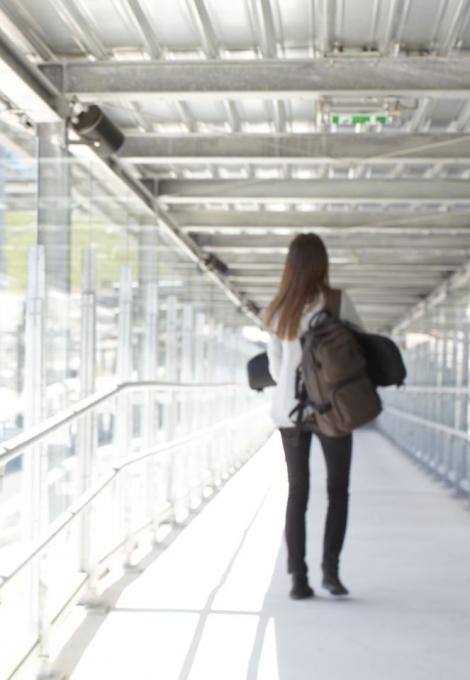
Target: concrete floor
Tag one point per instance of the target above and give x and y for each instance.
(213, 605)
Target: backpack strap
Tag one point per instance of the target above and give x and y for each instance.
(333, 301)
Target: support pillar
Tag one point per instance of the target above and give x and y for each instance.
(171, 403)
(35, 467)
(86, 451)
(203, 406)
(53, 233)
(461, 415)
(149, 309)
(123, 428)
(54, 201)
(3, 162)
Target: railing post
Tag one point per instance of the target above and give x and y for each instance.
(34, 462)
(187, 364)
(461, 414)
(187, 398)
(149, 372)
(123, 429)
(211, 444)
(171, 404)
(200, 407)
(86, 451)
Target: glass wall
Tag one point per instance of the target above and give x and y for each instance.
(94, 293)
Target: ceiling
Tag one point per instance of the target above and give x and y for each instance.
(253, 120)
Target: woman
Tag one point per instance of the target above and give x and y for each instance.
(303, 291)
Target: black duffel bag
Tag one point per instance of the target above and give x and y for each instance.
(385, 365)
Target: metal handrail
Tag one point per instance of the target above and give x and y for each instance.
(436, 389)
(13, 447)
(86, 498)
(428, 423)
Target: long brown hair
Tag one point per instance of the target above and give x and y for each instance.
(305, 276)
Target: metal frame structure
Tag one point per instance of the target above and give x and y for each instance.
(250, 97)
(432, 77)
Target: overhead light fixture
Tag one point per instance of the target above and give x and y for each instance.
(94, 126)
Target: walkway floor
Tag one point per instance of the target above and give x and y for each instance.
(213, 605)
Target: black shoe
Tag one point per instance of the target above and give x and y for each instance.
(332, 583)
(301, 589)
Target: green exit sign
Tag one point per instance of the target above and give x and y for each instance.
(360, 119)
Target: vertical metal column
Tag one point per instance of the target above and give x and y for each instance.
(53, 232)
(171, 404)
(433, 443)
(149, 310)
(149, 415)
(86, 451)
(222, 461)
(35, 467)
(187, 376)
(445, 410)
(54, 202)
(171, 345)
(448, 468)
(124, 354)
(461, 414)
(213, 443)
(440, 381)
(123, 431)
(3, 161)
(187, 364)
(150, 356)
(200, 406)
(228, 401)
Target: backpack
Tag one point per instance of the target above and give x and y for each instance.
(335, 392)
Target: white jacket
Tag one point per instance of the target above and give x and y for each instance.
(284, 356)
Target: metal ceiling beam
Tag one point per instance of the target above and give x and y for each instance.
(206, 220)
(358, 280)
(203, 22)
(411, 259)
(260, 269)
(298, 148)
(265, 28)
(317, 191)
(139, 16)
(443, 77)
(343, 240)
(345, 250)
(80, 29)
(328, 232)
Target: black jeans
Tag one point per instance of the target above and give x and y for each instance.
(337, 454)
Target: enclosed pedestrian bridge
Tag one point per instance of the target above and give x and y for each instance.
(156, 160)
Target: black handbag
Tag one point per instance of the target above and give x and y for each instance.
(259, 376)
